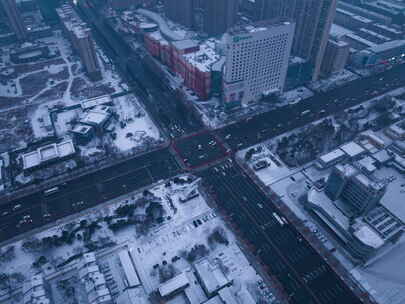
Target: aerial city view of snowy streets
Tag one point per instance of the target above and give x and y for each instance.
(162, 243)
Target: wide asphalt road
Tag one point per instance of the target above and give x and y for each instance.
(84, 192)
(305, 277)
(270, 124)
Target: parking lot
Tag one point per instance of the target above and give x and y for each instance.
(199, 149)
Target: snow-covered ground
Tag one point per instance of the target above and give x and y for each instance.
(335, 80)
(296, 95)
(67, 62)
(137, 122)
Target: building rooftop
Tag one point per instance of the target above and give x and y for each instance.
(354, 16)
(388, 29)
(394, 198)
(96, 116)
(227, 296)
(168, 33)
(211, 276)
(185, 44)
(92, 102)
(204, 58)
(352, 149)
(380, 48)
(368, 236)
(178, 282)
(338, 31)
(382, 156)
(361, 40)
(214, 300)
(46, 153)
(331, 156)
(129, 269)
(258, 26)
(367, 164)
(320, 199)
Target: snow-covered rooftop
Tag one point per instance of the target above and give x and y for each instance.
(338, 31)
(368, 236)
(320, 199)
(380, 48)
(46, 153)
(211, 276)
(352, 149)
(95, 101)
(204, 58)
(394, 197)
(129, 270)
(163, 25)
(332, 156)
(178, 282)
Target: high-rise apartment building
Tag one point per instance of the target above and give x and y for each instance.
(313, 20)
(359, 191)
(219, 15)
(180, 11)
(336, 56)
(256, 61)
(80, 36)
(14, 18)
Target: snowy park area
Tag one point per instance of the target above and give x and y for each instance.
(28, 90)
(166, 229)
(59, 77)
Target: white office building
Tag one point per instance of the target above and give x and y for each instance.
(256, 61)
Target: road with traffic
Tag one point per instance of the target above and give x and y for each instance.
(253, 130)
(305, 277)
(85, 192)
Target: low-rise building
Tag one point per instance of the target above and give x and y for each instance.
(329, 159)
(353, 150)
(98, 117)
(131, 277)
(36, 291)
(385, 53)
(94, 281)
(396, 131)
(47, 154)
(210, 276)
(174, 285)
(82, 133)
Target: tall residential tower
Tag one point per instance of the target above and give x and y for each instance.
(180, 11)
(14, 18)
(313, 20)
(80, 36)
(219, 15)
